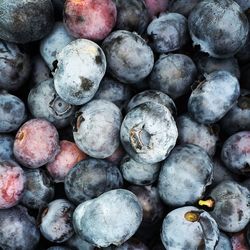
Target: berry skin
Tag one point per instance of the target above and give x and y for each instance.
(6, 147)
(12, 183)
(210, 25)
(148, 132)
(90, 19)
(78, 85)
(181, 6)
(156, 6)
(116, 215)
(36, 143)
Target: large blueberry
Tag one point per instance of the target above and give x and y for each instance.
(97, 126)
(185, 174)
(112, 218)
(173, 74)
(148, 132)
(129, 58)
(90, 178)
(213, 97)
(80, 66)
(220, 28)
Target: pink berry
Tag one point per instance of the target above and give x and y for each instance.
(66, 159)
(156, 6)
(90, 19)
(36, 143)
(12, 182)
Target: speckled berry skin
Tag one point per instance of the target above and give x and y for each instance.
(235, 153)
(6, 147)
(224, 243)
(66, 159)
(220, 28)
(36, 143)
(114, 91)
(90, 19)
(184, 176)
(56, 221)
(231, 210)
(12, 112)
(168, 32)
(39, 189)
(152, 96)
(52, 44)
(173, 74)
(139, 173)
(90, 178)
(129, 58)
(180, 233)
(238, 117)
(207, 64)
(156, 6)
(213, 97)
(44, 102)
(132, 15)
(17, 17)
(182, 7)
(80, 67)
(148, 132)
(12, 183)
(190, 131)
(112, 218)
(15, 66)
(18, 229)
(96, 131)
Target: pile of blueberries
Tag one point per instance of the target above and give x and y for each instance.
(124, 124)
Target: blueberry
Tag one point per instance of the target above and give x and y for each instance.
(231, 210)
(39, 189)
(18, 229)
(189, 228)
(12, 112)
(207, 64)
(224, 243)
(116, 215)
(52, 44)
(36, 143)
(235, 153)
(12, 183)
(114, 91)
(56, 221)
(66, 159)
(238, 117)
(132, 15)
(117, 156)
(25, 21)
(96, 131)
(90, 178)
(168, 32)
(153, 208)
(91, 19)
(6, 147)
(239, 240)
(152, 96)
(220, 28)
(129, 58)
(193, 132)
(244, 4)
(182, 7)
(155, 7)
(15, 66)
(185, 174)
(139, 173)
(213, 97)
(44, 102)
(80, 66)
(148, 132)
(173, 74)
